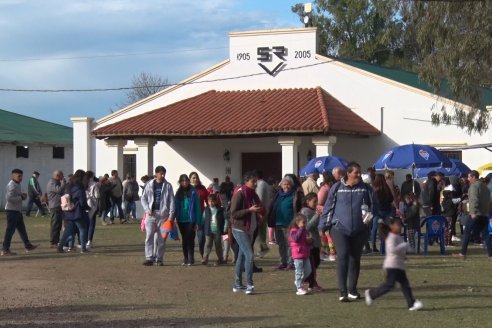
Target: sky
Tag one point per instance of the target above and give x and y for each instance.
(59, 44)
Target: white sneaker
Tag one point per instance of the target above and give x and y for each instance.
(417, 305)
(249, 290)
(301, 291)
(455, 238)
(88, 245)
(325, 257)
(332, 258)
(368, 297)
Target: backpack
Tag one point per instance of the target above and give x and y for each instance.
(66, 203)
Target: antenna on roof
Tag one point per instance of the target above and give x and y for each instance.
(308, 8)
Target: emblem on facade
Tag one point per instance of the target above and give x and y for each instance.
(272, 59)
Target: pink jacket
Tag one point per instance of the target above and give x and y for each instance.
(298, 243)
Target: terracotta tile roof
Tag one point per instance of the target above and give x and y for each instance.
(245, 113)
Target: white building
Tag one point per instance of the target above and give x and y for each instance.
(272, 104)
(32, 145)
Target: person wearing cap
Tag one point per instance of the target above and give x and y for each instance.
(310, 185)
(14, 197)
(34, 194)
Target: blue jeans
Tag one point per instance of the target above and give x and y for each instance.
(244, 257)
(70, 225)
(15, 221)
(480, 225)
(303, 270)
(130, 207)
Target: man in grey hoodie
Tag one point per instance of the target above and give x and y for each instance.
(14, 197)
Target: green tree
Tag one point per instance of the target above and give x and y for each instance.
(455, 48)
(366, 30)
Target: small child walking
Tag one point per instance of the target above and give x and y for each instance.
(394, 265)
(213, 228)
(410, 209)
(312, 214)
(300, 245)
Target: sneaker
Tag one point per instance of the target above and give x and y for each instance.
(159, 263)
(316, 288)
(343, 299)
(31, 247)
(417, 305)
(459, 256)
(84, 251)
(368, 297)
(263, 253)
(455, 238)
(250, 290)
(301, 291)
(281, 266)
(272, 243)
(290, 266)
(332, 258)
(88, 245)
(354, 296)
(7, 253)
(257, 269)
(79, 246)
(148, 263)
(238, 288)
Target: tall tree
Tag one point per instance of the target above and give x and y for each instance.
(366, 30)
(144, 85)
(455, 46)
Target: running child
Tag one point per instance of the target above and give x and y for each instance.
(394, 265)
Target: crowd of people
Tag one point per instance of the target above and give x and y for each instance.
(336, 221)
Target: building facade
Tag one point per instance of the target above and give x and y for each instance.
(273, 104)
(32, 145)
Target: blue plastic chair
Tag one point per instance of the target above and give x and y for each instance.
(434, 229)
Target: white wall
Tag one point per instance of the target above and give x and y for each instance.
(40, 159)
(407, 111)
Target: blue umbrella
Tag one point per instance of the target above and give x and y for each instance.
(322, 164)
(412, 156)
(458, 169)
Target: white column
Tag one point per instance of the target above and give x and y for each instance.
(324, 145)
(289, 154)
(145, 156)
(115, 154)
(82, 149)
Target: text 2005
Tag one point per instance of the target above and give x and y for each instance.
(302, 54)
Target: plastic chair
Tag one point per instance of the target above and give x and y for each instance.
(434, 228)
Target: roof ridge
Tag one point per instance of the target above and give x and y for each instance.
(36, 119)
(324, 110)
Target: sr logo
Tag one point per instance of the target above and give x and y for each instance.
(272, 55)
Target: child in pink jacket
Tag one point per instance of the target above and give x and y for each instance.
(300, 244)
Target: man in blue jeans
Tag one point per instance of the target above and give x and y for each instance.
(479, 202)
(13, 207)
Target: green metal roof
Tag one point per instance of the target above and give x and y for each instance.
(23, 129)
(410, 79)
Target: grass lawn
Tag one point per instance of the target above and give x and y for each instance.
(109, 287)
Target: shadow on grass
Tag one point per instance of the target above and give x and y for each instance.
(83, 316)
